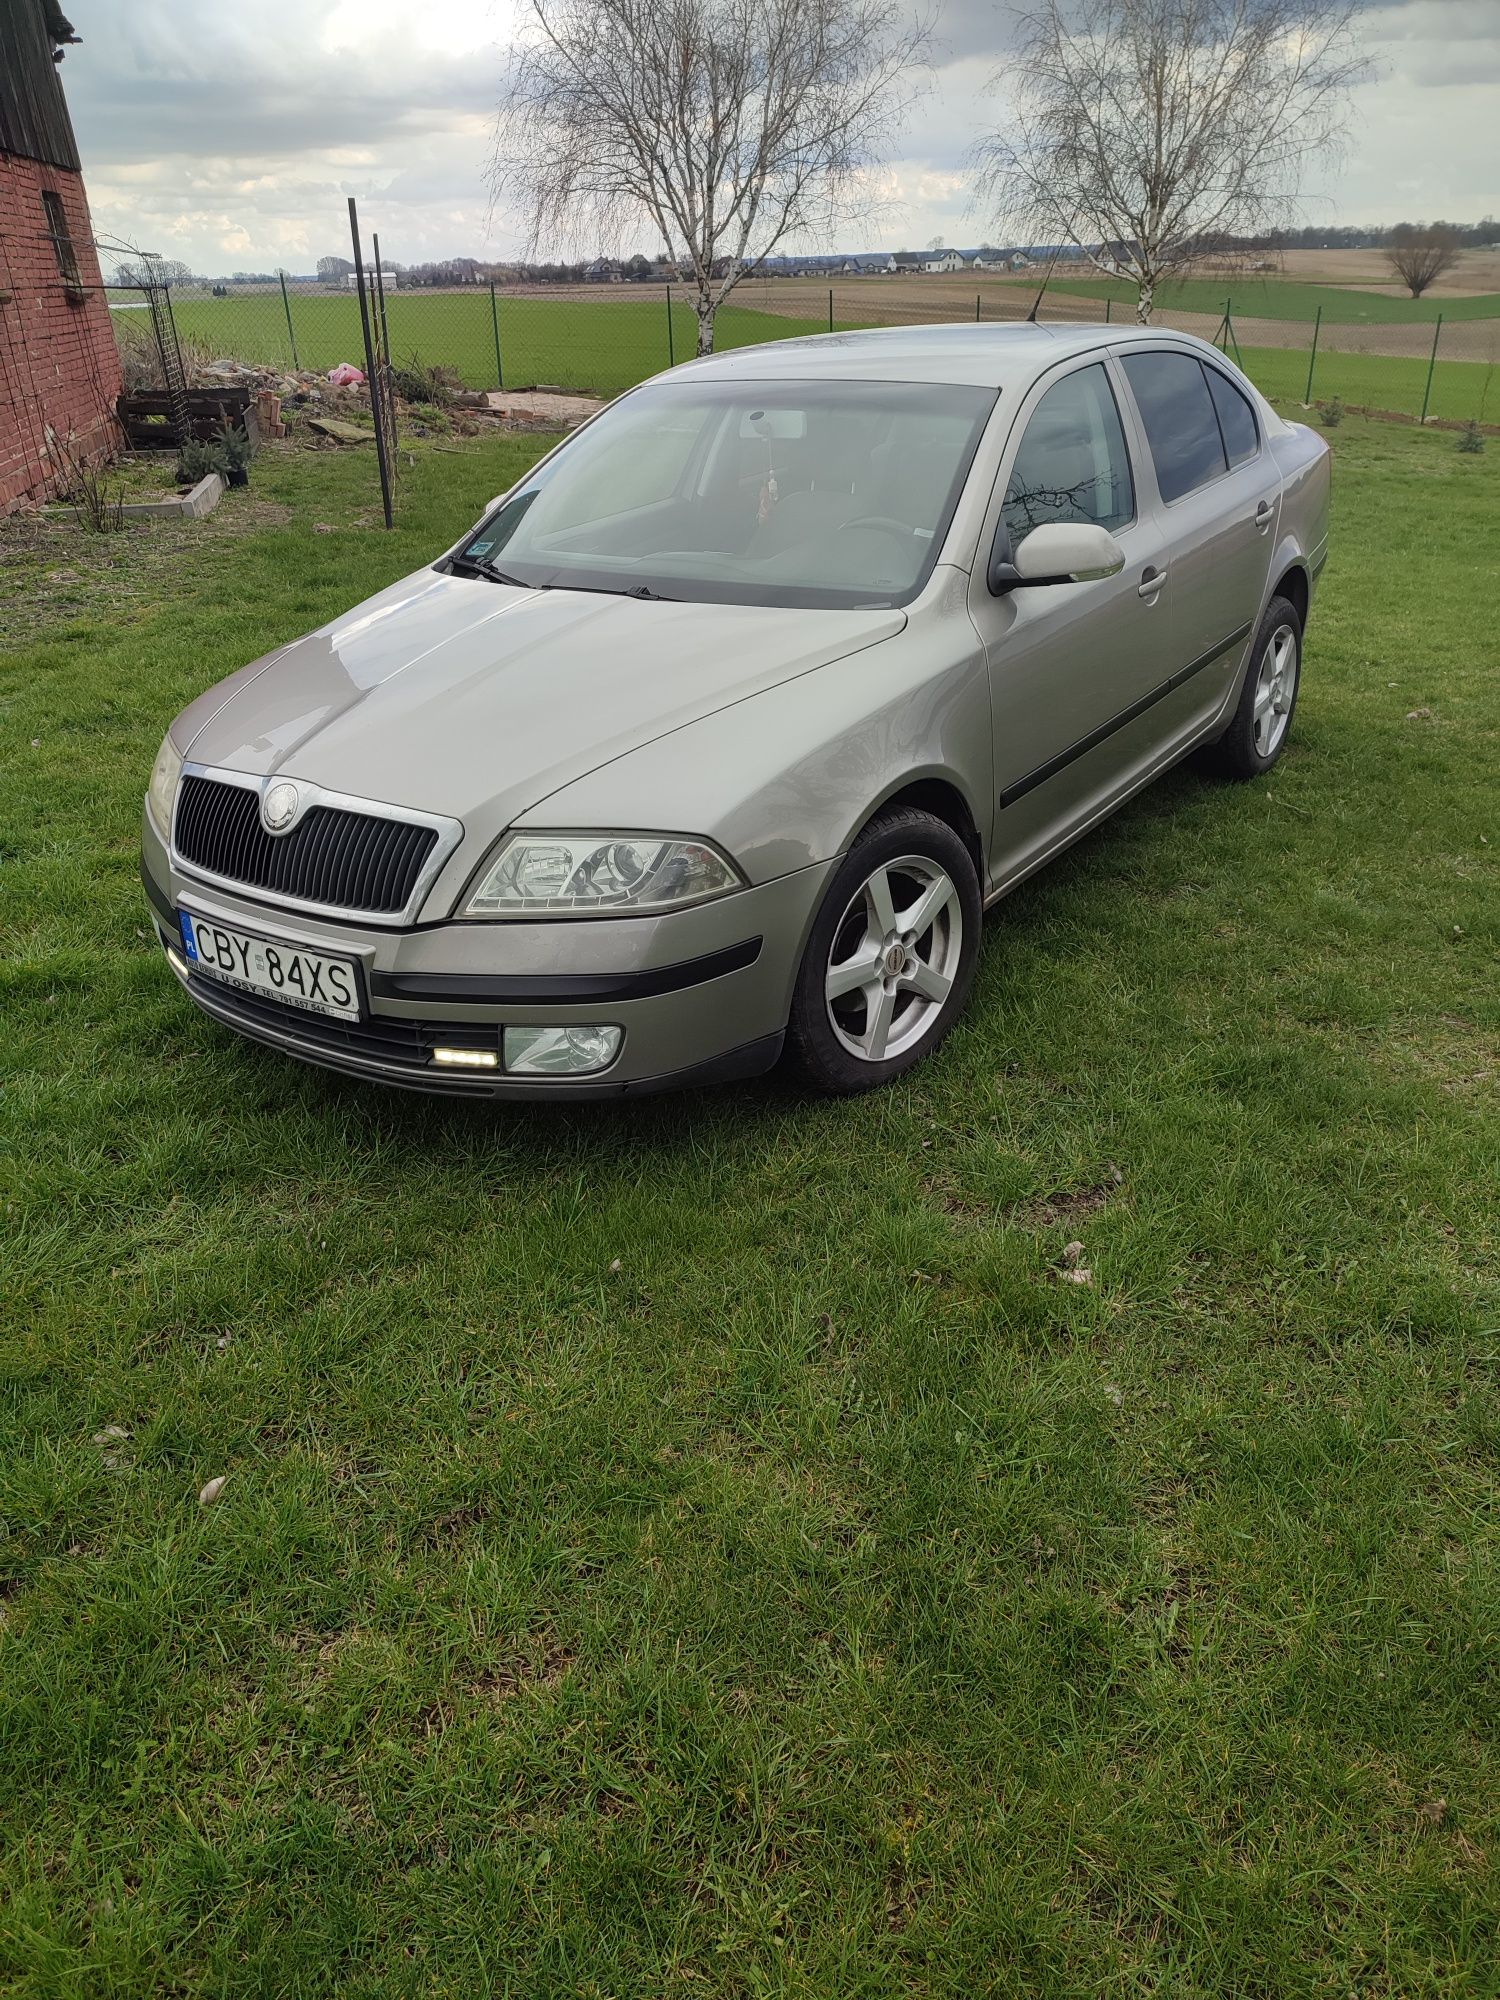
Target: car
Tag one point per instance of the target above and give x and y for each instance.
(710, 745)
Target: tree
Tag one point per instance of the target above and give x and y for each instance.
(1419, 254)
(727, 125)
(1142, 131)
(334, 270)
(146, 270)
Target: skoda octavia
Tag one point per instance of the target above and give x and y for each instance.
(718, 734)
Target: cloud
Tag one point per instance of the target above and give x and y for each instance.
(232, 137)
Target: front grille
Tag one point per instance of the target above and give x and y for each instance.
(382, 1038)
(346, 860)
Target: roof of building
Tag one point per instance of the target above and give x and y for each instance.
(34, 118)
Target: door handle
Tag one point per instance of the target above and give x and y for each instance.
(1264, 512)
(1151, 581)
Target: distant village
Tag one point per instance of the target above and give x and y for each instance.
(449, 272)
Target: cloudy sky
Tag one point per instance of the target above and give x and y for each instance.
(230, 136)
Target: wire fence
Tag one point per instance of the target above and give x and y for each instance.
(601, 338)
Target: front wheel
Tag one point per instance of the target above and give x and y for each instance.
(1258, 729)
(891, 955)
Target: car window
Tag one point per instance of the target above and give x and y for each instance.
(1178, 414)
(1236, 418)
(1072, 464)
(786, 492)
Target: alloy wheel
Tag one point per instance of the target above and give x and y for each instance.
(1275, 689)
(895, 955)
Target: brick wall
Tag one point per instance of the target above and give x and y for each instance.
(58, 362)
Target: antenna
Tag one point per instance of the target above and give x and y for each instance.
(1047, 274)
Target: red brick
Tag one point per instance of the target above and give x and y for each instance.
(59, 367)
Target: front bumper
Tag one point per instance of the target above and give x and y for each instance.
(702, 994)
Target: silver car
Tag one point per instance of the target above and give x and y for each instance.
(714, 740)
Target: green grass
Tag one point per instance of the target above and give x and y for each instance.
(609, 344)
(576, 344)
(828, 1602)
(1460, 389)
(1284, 298)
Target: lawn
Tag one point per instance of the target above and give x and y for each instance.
(701, 1546)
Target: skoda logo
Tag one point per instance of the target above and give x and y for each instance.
(279, 807)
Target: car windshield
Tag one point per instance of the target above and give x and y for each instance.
(777, 493)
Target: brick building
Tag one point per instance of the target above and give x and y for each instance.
(59, 369)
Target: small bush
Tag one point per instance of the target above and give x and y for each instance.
(1471, 437)
(1332, 414)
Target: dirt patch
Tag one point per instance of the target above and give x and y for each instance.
(1067, 1207)
(543, 1666)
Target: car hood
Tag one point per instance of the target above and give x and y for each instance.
(453, 695)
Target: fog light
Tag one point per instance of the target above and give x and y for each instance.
(466, 1058)
(560, 1051)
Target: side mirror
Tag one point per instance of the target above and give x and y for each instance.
(1058, 552)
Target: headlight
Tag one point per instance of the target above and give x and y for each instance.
(588, 874)
(163, 787)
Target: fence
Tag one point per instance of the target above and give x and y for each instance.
(1415, 360)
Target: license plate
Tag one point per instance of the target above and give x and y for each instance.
(308, 979)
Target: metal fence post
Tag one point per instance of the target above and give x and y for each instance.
(385, 331)
(370, 373)
(290, 331)
(495, 324)
(1432, 363)
(1307, 398)
(830, 309)
(1108, 309)
(671, 350)
(976, 308)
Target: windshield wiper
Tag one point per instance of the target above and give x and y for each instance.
(475, 566)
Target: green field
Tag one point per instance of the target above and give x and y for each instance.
(607, 345)
(576, 343)
(701, 1546)
(1284, 298)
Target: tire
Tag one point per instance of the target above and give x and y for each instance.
(1257, 734)
(848, 1034)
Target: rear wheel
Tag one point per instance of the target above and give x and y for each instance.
(1258, 730)
(891, 956)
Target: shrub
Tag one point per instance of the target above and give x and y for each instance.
(1332, 413)
(418, 381)
(1471, 437)
(197, 458)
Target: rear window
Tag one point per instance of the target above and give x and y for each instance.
(1236, 418)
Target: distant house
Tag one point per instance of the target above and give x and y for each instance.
(389, 279)
(59, 368)
(947, 260)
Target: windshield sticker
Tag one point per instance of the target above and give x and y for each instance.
(478, 548)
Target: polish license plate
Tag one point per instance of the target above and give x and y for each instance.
(308, 979)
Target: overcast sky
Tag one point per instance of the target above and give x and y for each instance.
(230, 136)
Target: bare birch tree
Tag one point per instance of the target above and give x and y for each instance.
(728, 125)
(1148, 132)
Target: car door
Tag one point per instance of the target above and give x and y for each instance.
(1219, 493)
(1073, 666)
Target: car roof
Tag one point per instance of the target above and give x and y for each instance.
(982, 356)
